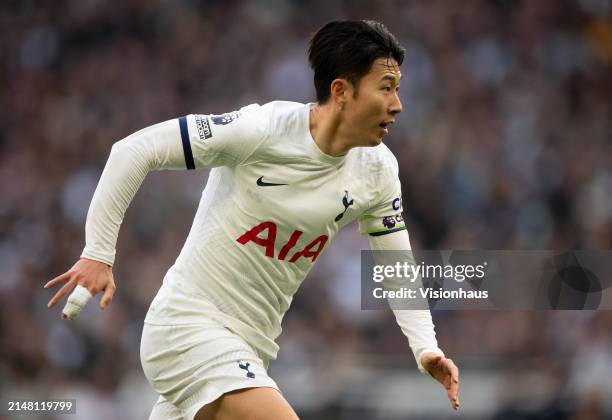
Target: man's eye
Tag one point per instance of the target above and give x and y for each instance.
(387, 88)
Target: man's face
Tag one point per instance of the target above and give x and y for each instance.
(376, 105)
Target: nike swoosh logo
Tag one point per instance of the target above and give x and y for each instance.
(261, 183)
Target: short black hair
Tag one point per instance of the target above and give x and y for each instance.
(348, 49)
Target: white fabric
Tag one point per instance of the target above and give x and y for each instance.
(76, 301)
(165, 410)
(155, 147)
(416, 325)
(247, 281)
(193, 365)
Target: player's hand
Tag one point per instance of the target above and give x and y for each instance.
(85, 279)
(444, 371)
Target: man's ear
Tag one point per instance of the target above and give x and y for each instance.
(341, 89)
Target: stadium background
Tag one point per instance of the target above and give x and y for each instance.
(504, 143)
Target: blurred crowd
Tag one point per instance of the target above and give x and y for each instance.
(505, 142)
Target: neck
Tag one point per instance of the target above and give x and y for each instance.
(326, 130)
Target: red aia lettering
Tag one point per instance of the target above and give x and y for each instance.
(312, 250)
(290, 244)
(253, 235)
(308, 252)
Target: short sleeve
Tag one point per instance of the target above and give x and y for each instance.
(385, 214)
(222, 140)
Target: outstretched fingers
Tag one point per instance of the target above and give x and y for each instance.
(67, 288)
(80, 284)
(58, 279)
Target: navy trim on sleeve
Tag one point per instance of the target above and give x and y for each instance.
(186, 144)
(386, 232)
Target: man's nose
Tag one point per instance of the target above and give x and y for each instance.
(396, 106)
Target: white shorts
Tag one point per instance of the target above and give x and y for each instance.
(193, 365)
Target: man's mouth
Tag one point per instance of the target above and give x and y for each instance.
(385, 125)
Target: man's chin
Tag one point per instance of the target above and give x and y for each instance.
(376, 141)
(371, 141)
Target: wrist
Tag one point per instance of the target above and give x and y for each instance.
(92, 260)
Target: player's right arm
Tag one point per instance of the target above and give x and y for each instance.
(194, 141)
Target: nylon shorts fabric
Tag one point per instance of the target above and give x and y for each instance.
(192, 365)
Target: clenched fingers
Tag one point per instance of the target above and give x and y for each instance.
(453, 387)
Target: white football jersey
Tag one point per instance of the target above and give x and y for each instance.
(272, 204)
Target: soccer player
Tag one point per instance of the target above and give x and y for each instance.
(286, 177)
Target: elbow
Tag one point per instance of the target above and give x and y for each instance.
(120, 147)
(120, 153)
(127, 154)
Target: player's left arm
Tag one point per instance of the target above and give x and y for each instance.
(384, 224)
(418, 327)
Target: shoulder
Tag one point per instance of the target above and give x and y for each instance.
(272, 118)
(378, 161)
(284, 117)
(247, 121)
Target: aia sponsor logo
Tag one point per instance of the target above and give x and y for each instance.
(264, 235)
